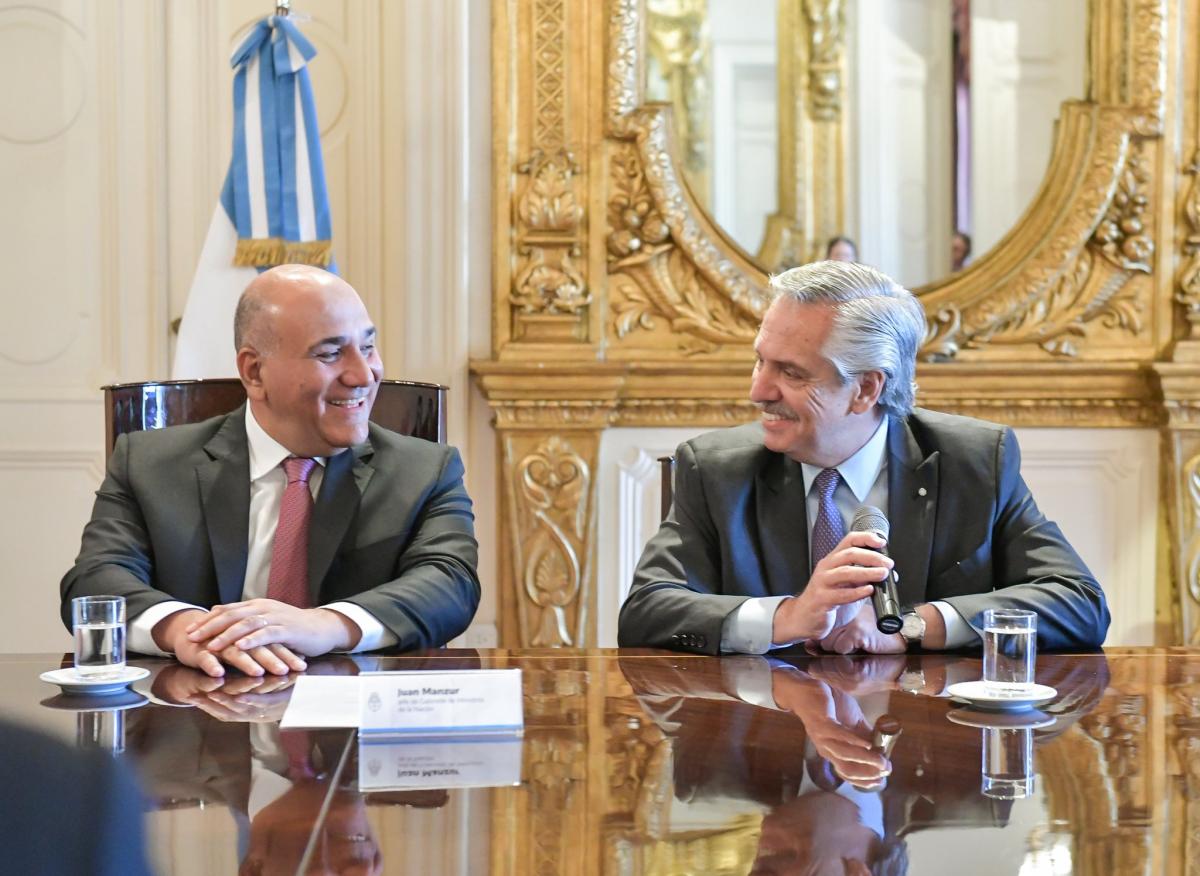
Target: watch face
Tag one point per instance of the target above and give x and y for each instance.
(914, 627)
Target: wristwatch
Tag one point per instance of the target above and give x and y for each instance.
(912, 628)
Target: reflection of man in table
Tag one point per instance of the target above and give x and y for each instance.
(216, 741)
(755, 553)
(793, 743)
(292, 527)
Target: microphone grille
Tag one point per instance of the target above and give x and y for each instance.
(868, 518)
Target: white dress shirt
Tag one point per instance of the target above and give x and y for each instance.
(267, 483)
(863, 481)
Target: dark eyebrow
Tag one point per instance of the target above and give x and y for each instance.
(342, 340)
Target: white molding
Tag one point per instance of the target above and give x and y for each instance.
(628, 512)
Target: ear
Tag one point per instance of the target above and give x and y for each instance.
(869, 387)
(249, 366)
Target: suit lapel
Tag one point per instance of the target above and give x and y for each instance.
(224, 480)
(346, 477)
(783, 522)
(912, 509)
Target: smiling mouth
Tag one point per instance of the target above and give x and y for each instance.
(348, 403)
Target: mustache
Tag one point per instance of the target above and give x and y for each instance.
(777, 409)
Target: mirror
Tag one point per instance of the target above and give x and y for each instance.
(895, 123)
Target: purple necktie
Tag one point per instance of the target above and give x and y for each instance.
(288, 581)
(829, 528)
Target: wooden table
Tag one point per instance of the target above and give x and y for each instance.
(652, 762)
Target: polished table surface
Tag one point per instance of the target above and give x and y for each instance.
(653, 762)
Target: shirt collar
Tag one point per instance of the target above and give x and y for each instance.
(862, 469)
(265, 452)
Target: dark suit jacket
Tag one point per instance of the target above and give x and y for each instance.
(391, 530)
(974, 537)
(67, 811)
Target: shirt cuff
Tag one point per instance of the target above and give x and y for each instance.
(959, 633)
(747, 629)
(374, 634)
(141, 628)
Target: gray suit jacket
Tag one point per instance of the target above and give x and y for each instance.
(392, 528)
(964, 529)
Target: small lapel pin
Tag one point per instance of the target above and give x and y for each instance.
(922, 491)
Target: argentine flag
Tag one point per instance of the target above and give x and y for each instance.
(274, 208)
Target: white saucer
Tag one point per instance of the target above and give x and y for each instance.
(73, 683)
(979, 695)
(1026, 719)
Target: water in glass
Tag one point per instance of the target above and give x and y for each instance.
(100, 650)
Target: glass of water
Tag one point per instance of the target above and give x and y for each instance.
(1009, 651)
(99, 624)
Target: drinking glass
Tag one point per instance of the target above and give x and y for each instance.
(99, 624)
(1009, 651)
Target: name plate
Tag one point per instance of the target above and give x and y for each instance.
(441, 703)
(439, 762)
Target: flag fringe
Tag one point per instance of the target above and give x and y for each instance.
(267, 252)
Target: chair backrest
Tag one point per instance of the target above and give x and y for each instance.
(667, 467)
(404, 406)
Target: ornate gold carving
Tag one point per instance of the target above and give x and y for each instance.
(549, 293)
(826, 22)
(623, 91)
(555, 484)
(659, 279)
(1148, 70)
(1188, 293)
(1067, 412)
(1055, 296)
(686, 412)
(547, 281)
(549, 73)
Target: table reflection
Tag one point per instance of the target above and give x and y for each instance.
(649, 762)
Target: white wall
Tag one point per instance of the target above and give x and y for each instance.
(114, 139)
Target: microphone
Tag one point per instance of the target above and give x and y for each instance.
(885, 601)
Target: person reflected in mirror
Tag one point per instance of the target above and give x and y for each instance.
(757, 552)
(841, 249)
(960, 251)
(292, 527)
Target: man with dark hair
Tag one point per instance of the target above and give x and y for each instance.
(293, 526)
(755, 553)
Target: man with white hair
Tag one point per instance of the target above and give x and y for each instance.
(756, 552)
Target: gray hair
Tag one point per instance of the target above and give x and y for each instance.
(878, 325)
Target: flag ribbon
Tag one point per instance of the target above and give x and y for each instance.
(274, 192)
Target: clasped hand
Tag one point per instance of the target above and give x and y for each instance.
(256, 636)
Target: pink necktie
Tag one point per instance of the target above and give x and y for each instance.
(829, 529)
(289, 558)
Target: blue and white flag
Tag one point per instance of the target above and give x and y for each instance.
(274, 208)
